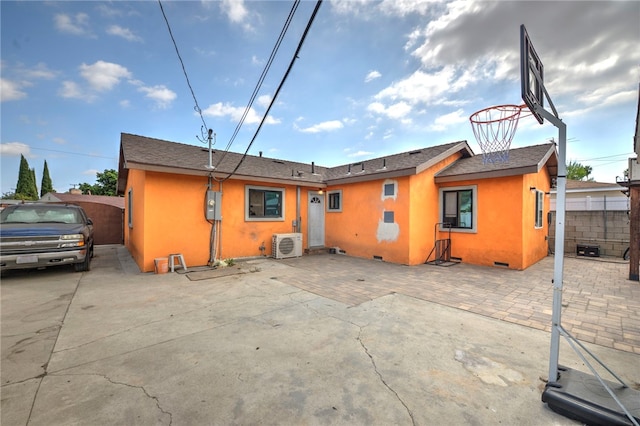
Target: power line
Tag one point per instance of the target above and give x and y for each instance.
(256, 90)
(73, 153)
(175, 45)
(626, 155)
(284, 78)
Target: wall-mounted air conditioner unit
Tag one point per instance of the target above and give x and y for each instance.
(287, 245)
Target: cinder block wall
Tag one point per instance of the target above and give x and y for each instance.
(607, 229)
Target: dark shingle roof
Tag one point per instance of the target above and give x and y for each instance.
(160, 155)
(403, 164)
(145, 153)
(521, 161)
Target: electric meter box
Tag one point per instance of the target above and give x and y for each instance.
(213, 205)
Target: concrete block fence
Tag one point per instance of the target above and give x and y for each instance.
(609, 230)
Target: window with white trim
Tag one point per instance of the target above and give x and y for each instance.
(539, 208)
(458, 207)
(264, 203)
(334, 201)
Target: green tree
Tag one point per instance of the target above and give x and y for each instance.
(577, 171)
(26, 187)
(46, 185)
(107, 184)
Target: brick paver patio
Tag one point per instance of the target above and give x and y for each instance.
(600, 305)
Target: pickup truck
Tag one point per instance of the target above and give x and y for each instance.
(36, 235)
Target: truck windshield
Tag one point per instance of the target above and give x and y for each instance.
(40, 214)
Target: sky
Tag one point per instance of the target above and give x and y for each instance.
(371, 79)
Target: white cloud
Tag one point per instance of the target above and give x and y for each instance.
(40, 72)
(161, 95)
(108, 11)
(372, 76)
(10, 90)
(59, 141)
(325, 126)
(360, 154)
(264, 100)
(235, 113)
(397, 111)
(256, 61)
(91, 172)
(125, 33)
(15, 149)
(234, 9)
(72, 90)
(103, 76)
(443, 122)
(76, 25)
(420, 87)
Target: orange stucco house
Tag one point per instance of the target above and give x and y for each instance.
(391, 208)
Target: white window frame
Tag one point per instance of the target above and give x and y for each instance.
(539, 209)
(339, 208)
(474, 207)
(384, 187)
(249, 218)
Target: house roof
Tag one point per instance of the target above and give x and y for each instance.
(140, 152)
(577, 186)
(403, 164)
(530, 159)
(584, 184)
(76, 198)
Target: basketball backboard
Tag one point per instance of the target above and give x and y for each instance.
(531, 75)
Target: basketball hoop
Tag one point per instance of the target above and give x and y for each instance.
(494, 128)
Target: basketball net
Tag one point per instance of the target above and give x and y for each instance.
(494, 128)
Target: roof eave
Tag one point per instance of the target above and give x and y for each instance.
(365, 176)
(488, 174)
(462, 146)
(220, 174)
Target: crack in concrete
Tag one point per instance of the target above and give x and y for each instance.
(373, 362)
(147, 394)
(155, 398)
(384, 382)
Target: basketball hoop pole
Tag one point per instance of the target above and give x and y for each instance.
(558, 259)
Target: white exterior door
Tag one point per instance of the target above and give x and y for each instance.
(316, 219)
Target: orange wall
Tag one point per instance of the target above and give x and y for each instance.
(169, 218)
(242, 238)
(423, 212)
(360, 229)
(536, 244)
(505, 223)
(134, 237)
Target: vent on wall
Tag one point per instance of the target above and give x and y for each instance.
(286, 245)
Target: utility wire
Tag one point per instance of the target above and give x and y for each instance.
(275, 95)
(175, 45)
(256, 90)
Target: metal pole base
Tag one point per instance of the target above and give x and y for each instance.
(580, 396)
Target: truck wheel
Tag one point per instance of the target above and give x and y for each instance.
(84, 265)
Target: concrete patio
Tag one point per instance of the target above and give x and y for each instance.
(323, 339)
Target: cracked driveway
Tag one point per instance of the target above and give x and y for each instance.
(114, 346)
